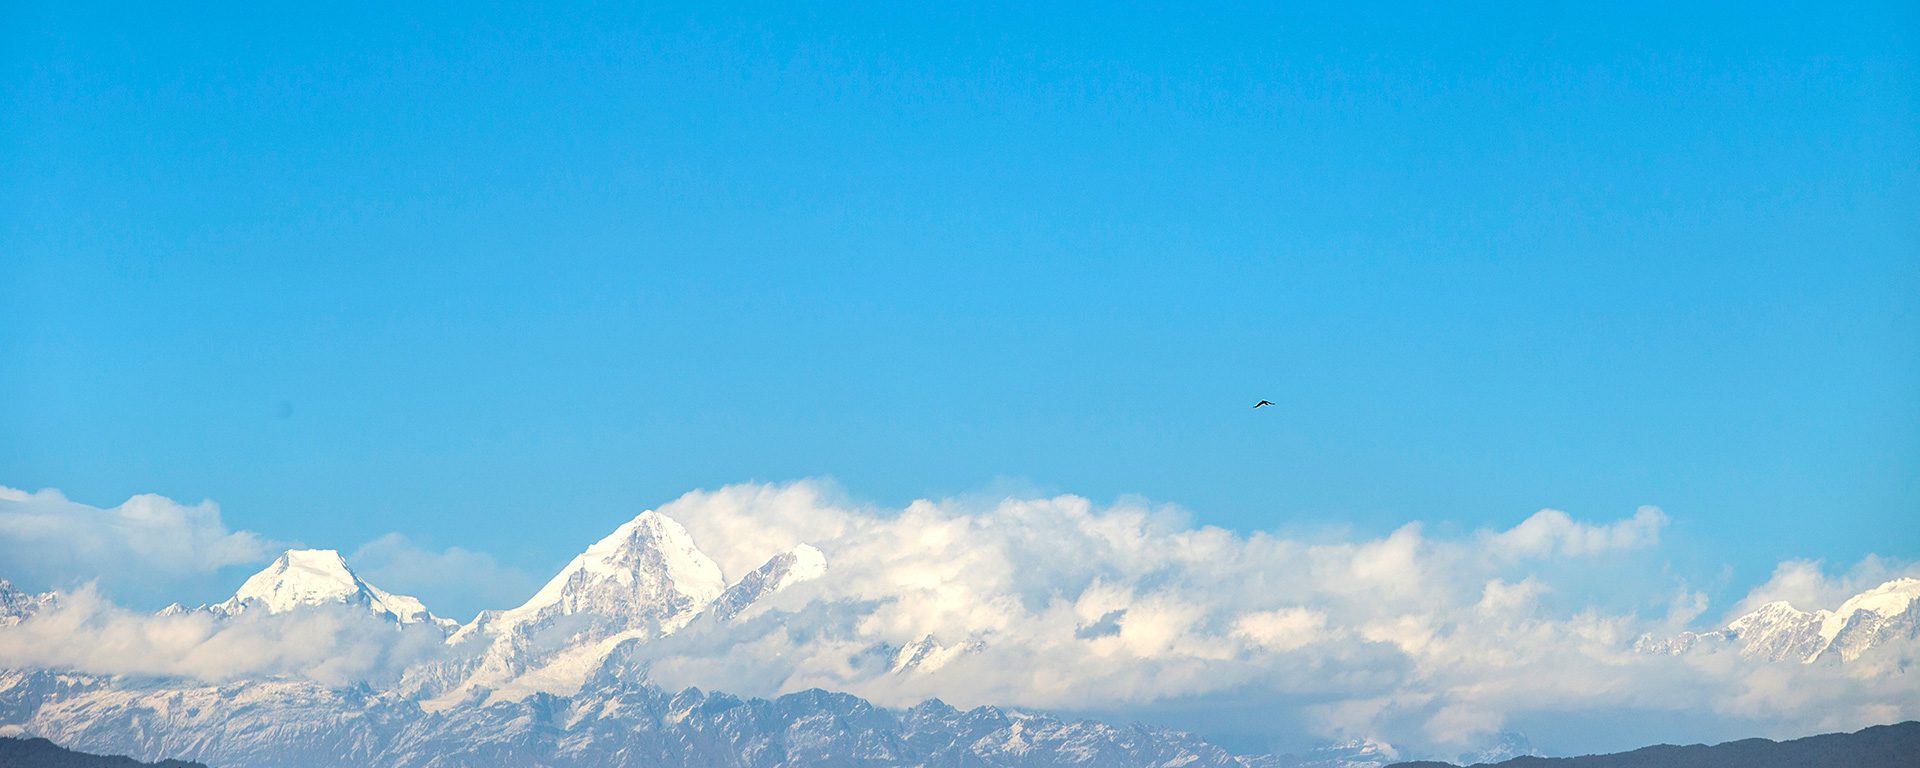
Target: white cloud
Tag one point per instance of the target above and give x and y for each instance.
(1425, 641)
(47, 539)
(1428, 641)
(1685, 606)
(1551, 531)
(1806, 585)
(454, 582)
(1502, 598)
(335, 645)
(1283, 629)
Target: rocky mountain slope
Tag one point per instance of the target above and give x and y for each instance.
(17, 606)
(609, 721)
(644, 581)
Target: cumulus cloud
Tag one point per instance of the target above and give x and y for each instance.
(333, 644)
(1428, 642)
(1806, 585)
(47, 539)
(453, 582)
(1282, 630)
(1069, 605)
(1551, 531)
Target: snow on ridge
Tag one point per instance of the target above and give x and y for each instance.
(1890, 599)
(1866, 618)
(306, 577)
(803, 562)
(1778, 631)
(644, 580)
(298, 722)
(17, 606)
(613, 559)
(298, 577)
(929, 654)
(808, 564)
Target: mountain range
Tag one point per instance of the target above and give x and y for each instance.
(559, 681)
(1777, 631)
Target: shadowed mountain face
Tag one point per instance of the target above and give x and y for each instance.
(40, 753)
(1882, 746)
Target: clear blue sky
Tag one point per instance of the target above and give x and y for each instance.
(494, 278)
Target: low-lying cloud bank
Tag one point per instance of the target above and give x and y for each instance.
(1069, 605)
(333, 644)
(1059, 603)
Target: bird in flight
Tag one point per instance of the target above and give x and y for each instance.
(1263, 404)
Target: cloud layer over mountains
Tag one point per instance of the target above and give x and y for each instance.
(1060, 603)
(1074, 606)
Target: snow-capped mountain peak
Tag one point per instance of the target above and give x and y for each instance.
(647, 566)
(1890, 599)
(1777, 631)
(299, 577)
(1864, 619)
(305, 577)
(929, 654)
(17, 606)
(802, 563)
(644, 580)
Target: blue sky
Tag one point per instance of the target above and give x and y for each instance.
(499, 279)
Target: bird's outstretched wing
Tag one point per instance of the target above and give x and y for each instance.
(1263, 403)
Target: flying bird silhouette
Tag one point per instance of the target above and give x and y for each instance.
(1263, 404)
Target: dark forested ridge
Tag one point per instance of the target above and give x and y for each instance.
(40, 753)
(1882, 746)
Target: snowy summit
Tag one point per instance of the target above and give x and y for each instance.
(303, 577)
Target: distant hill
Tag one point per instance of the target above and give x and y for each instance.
(40, 753)
(1888, 746)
